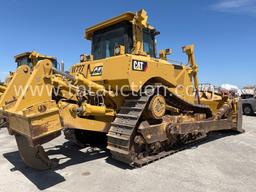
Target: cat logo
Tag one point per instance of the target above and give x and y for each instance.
(97, 71)
(139, 65)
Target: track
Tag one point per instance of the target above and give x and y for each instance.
(124, 127)
(120, 135)
(150, 159)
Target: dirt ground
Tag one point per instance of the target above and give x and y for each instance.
(225, 162)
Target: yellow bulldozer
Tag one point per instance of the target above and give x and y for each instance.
(146, 106)
(29, 59)
(2, 88)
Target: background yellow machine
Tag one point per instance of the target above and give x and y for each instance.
(29, 59)
(2, 88)
(145, 106)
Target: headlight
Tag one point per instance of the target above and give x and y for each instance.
(82, 58)
(117, 50)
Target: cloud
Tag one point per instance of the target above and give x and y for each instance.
(236, 6)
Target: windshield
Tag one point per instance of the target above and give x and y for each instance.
(27, 61)
(24, 61)
(104, 41)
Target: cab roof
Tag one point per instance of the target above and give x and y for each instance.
(27, 54)
(21, 55)
(128, 16)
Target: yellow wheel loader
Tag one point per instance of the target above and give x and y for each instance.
(146, 106)
(29, 59)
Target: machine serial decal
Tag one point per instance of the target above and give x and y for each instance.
(97, 71)
(78, 69)
(139, 65)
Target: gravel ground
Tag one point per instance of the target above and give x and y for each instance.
(226, 162)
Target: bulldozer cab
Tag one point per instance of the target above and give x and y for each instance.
(128, 30)
(31, 58)
(105, 40)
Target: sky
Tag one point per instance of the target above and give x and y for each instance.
(223, 31)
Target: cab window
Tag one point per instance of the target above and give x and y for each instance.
(24, 61)
(149, 43)
(105, 40)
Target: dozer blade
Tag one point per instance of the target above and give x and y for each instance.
(34, 157)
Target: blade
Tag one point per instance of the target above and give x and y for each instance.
(239, 123)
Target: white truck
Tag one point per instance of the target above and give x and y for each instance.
(248, 98)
